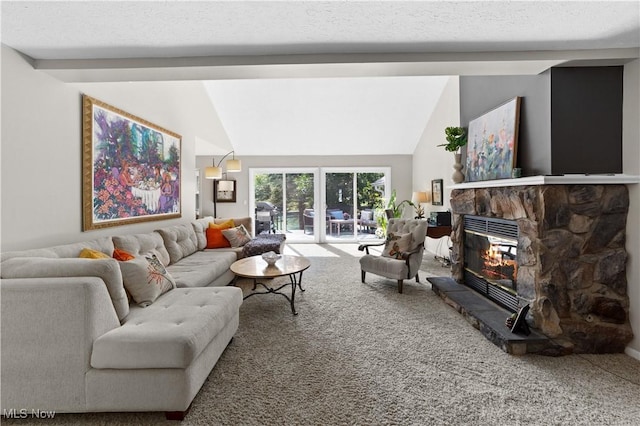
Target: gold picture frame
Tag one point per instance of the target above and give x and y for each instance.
(130, 168)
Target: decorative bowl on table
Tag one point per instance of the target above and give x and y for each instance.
(271, 257)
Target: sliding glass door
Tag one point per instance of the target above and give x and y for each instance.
(353, 201)
(318, 204)
(283, 202)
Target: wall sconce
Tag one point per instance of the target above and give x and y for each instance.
(417, 199)
(215, 172)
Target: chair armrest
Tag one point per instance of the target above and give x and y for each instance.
(410, 255)
(365, 246)
(416, 250)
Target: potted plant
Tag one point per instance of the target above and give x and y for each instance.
(456, 138)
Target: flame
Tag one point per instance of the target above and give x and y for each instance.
(494, 262)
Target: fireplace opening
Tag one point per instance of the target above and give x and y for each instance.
(490, 258)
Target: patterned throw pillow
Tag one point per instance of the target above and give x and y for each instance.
(397, 245)
(145, 278)
(237, 236)
(88, 253)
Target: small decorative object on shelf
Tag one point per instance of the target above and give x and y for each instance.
(456, 138)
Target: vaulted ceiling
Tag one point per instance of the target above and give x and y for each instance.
(315, 77)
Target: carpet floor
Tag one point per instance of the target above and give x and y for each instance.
(362, 354)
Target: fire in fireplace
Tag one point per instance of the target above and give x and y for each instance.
(490, 258)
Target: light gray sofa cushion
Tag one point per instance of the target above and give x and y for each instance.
(143, 244)
(180, 241)
(201, 268)
(104, 244)
(199, 227)
(106, 269)
(171, 333)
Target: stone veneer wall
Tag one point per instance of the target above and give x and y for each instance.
(571, 257)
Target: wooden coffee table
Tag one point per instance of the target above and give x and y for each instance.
(256, 268)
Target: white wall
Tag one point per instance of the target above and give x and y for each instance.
(631, 165)
(400, 176)
(433, 162)
(42, 155)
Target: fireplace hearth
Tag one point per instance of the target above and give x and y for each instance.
(564, 256)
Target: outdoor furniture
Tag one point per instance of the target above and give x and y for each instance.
(402, 255)
(339, 220)
(339, 225)
(366, 221)
(307, 217)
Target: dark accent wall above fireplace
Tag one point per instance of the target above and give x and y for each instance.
(570, 118)
(586, 120)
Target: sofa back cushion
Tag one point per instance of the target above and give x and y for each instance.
(143, 244)
(104, 245)
(180, 241)
(200, 228)
(40, 267)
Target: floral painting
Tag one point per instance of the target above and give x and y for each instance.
(492, 143)
(131, 168)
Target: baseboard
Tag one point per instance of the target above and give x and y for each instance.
(632, 353)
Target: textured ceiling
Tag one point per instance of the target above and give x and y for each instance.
(121, 29)
(281, 115)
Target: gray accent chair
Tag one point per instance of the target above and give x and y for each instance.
(398, 269)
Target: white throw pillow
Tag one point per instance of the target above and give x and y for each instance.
(145, 278)
(366, 215)
(397, 245)
(237, 236)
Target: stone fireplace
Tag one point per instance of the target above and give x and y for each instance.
(567, 259)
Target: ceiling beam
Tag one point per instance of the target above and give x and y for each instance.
(321, 66)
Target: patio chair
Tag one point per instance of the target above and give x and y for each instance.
(402, 254)
(367, 221)
(307, 217)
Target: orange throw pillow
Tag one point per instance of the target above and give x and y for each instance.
(122, 255)
(224, 225)
(215, 239)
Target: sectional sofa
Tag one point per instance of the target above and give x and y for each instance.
(72, 341)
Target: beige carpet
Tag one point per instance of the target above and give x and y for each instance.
(364, 354)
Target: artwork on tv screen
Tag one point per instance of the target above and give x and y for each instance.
(492, 143)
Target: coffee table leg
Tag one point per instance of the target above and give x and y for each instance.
(292, 277)
(297, 280)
